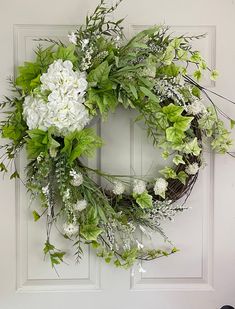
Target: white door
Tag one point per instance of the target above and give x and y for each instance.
(202, 274)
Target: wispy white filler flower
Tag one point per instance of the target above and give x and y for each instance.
(118, 188)
(80, 205)
(160, 187)
(192, 169)
(77, 178)
(196, 107)
(139, 186)
(72, 38)
(70, 229)
(84, 42)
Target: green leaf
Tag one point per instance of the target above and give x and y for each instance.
(182, 54)
(192, 147)
(182, 176)
(28, 76)
(66, 53)
(83, 142)
(36, 215)
(174, 135)
(144, 200)
(171, 70)
(172, 111)
(196, 57)
(196, 92)
(168, 172)
(3, 167)
(162, 120)
(178, 159)
(149, 94)
(90, 231)
(100, 73)
(168, 56)
(48, 247)
(232, 123)
(182, 123)
(133, 91)
(10, 131)
(15, 175)
(197, 74)
(214, 75)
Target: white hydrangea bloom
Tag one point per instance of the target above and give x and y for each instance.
(192, 169)
(34, 111)
(196, 107)
(70, 229)
(77, 178)
(160, 187)
(72, 38)
(118, 188)
(139, 186)
(65, 109)
(80, 205)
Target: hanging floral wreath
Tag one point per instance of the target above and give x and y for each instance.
(55, 98)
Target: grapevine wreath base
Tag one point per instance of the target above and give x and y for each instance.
(56, 97)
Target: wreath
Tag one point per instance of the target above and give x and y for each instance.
(56, 97)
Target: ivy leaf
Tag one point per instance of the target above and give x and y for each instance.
(192, 147)
(90, 232)
(172, 111)
(182, 54)
(178, 159)
(36, 215)
(168, 56)
(197, 74)
(48, 247)
(174, 135)
(182, 176)
(171, 70)
(162, 120)
(168, 172)
(196, 57)
(144, 200)
(214, 75)
(66, 53)
(182, 123)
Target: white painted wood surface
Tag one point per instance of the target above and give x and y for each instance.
(202, 274)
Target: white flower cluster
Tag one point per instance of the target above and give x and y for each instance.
(65, 109)
(192, 169)
(139, 186)
(160, 187)
(70, 229)
(80, 205)
(77, 178)
(118, 188)
(195, 108)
